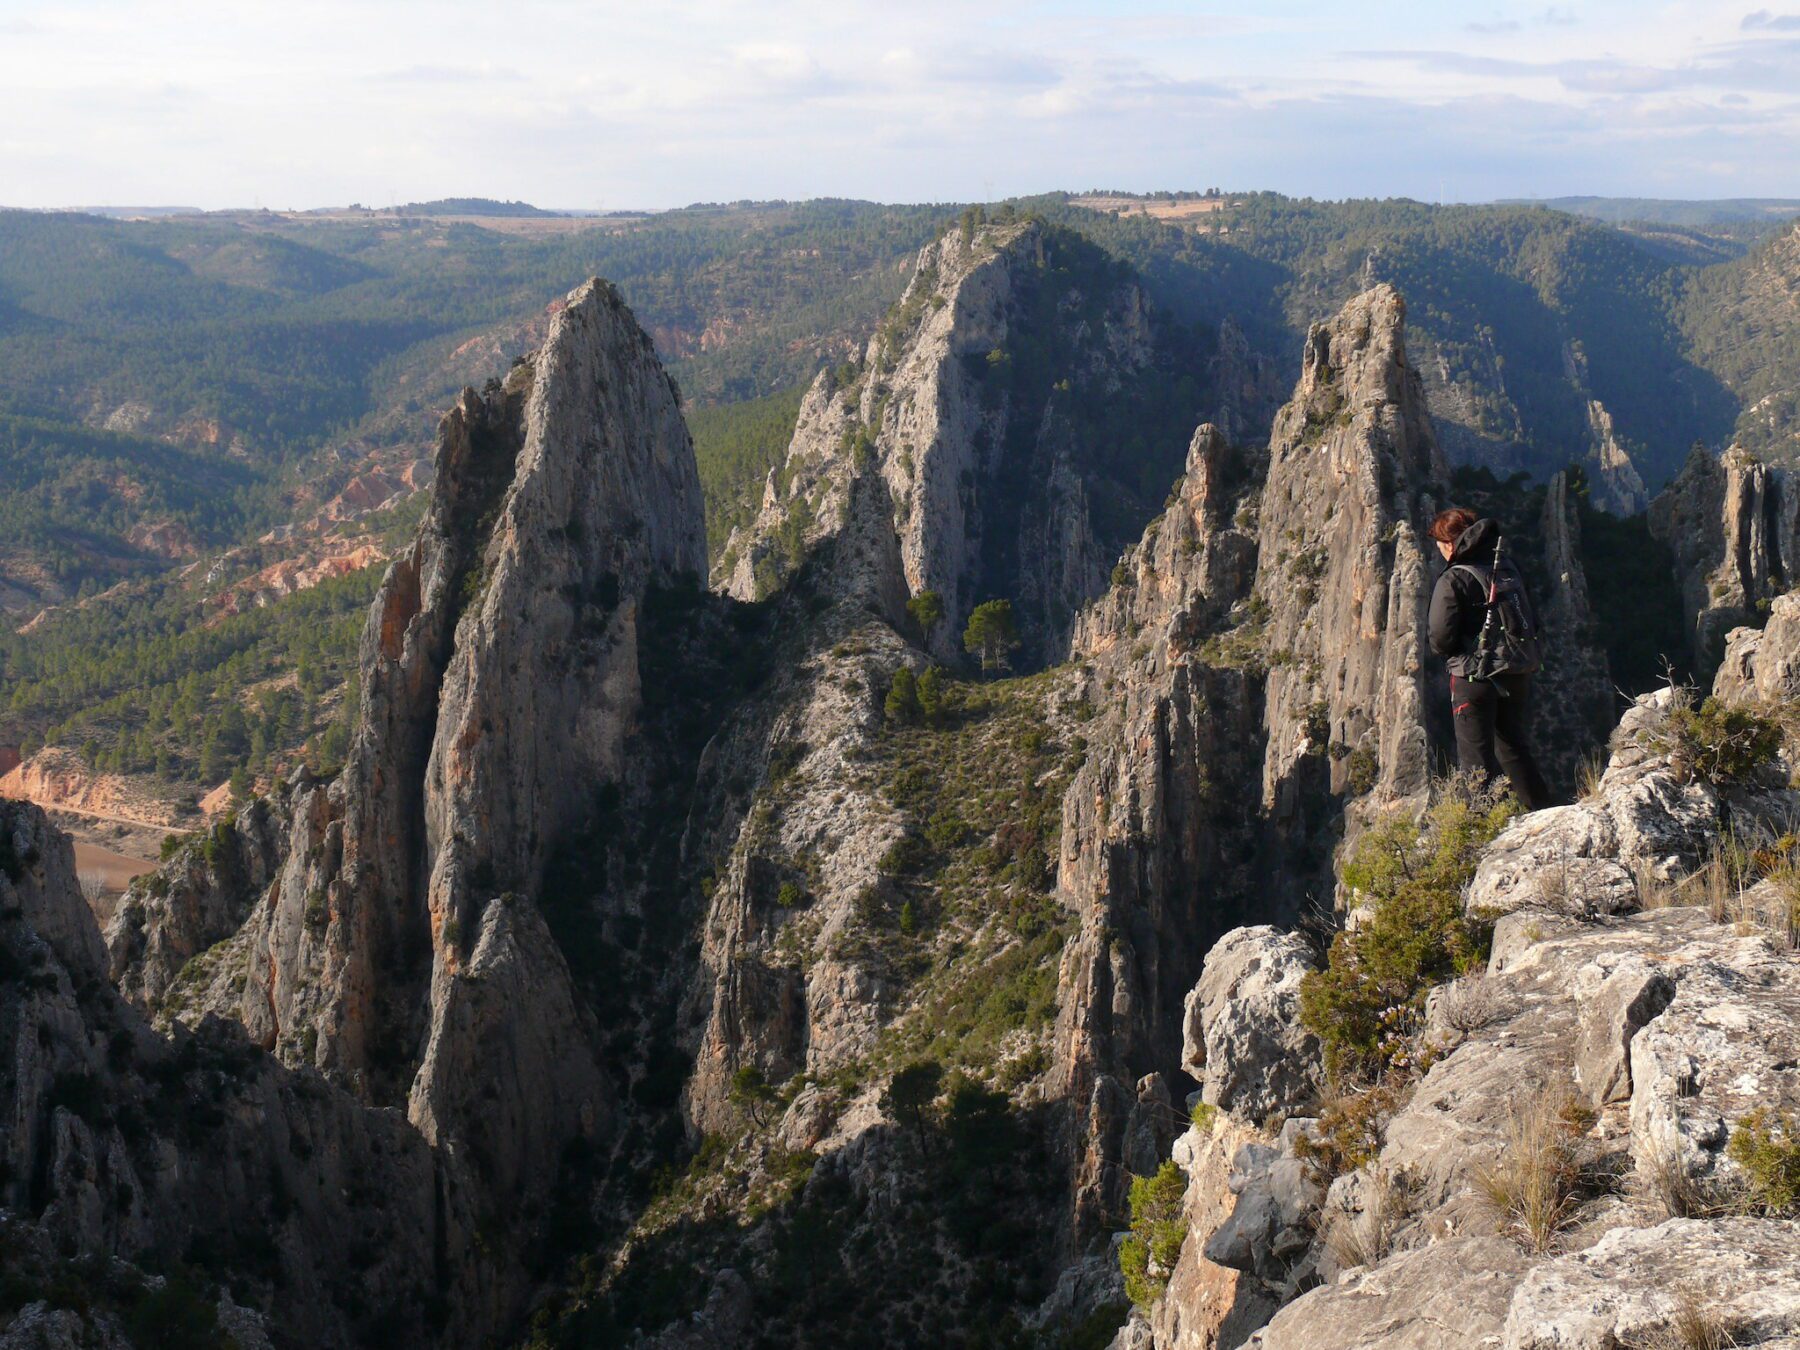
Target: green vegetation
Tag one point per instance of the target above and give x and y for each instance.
(1766, 1144)
(172, 1311)
(927, 610)
(73, 495)
(911, 1093)
(735, 446)
(1158, 1227)
(1725, 744)
(991, 633)
(144, 684)
(1367, 1004)
(1497, 299)
(903, 697)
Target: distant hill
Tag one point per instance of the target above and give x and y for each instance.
(1669, 211)
(470, 206)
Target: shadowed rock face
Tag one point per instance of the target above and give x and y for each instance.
(120, 1142)
(1261, 662)
(1731, 521)
(974, 407)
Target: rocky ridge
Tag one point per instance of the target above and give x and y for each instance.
(622, 877)
(1268, 629)
(400, 950)
(128, 1144)
(1732, 523)
(973, 415)
(1654, 1027)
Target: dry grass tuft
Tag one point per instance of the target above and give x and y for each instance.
(1469, 1004)
(1678, 1194)
(1533, 1188)
(1588, 775)
(1693, 1325)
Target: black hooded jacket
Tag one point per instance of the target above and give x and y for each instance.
(1459, 603)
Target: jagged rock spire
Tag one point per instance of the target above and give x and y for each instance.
(401, 950)
(1261, 667)
(957, 408)
(1732, 523)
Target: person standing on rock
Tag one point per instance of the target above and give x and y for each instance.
(1484, 624)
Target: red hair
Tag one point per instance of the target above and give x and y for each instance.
(1450, 524)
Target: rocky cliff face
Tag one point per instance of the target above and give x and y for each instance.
(198, 899)
(987, 406)
(1731, 522)
(1354, 476)
(122, 1144)
(1573, 695)
(1619, 1032)
(1269, 629)
(402, 950)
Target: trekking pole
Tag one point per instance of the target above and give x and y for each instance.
(1484, 646)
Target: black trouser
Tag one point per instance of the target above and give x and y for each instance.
(1491, 734)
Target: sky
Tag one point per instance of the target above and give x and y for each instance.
(572, 103)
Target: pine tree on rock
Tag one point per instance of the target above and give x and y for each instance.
(991, 634)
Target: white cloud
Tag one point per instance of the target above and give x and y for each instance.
(572, 103)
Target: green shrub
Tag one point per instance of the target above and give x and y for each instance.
(1766, 1144)
(927, 610)
(933, 698)
(1147, 1256)
(1349, 1133)
(1723, 743)
(911, 1094)
(903, 697)
(992, 633)
(1366, 1003)
(177, 1316)
(789, 896)
(751, 1093)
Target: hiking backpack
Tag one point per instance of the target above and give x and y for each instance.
(1514, 644)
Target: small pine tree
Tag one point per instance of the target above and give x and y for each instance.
(909, 921)
(1147, 1257)
(912, 1092)
(241, 785)
(927, 610)
(750, 1092)
(931, 695)
(991, 633)
(903, 697)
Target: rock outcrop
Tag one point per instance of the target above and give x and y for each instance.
(1354, 477)
(401, 950)
(1243, 1039)
(1731, 522)
(198, 899)
(976, 406)
(1269, 628)
(120, 1143)
(1640, 1033)
(1573, 698)
(1763, 664)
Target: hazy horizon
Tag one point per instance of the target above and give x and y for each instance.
(611, 106)
(179, 208)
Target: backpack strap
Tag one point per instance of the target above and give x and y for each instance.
(1483, 576)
